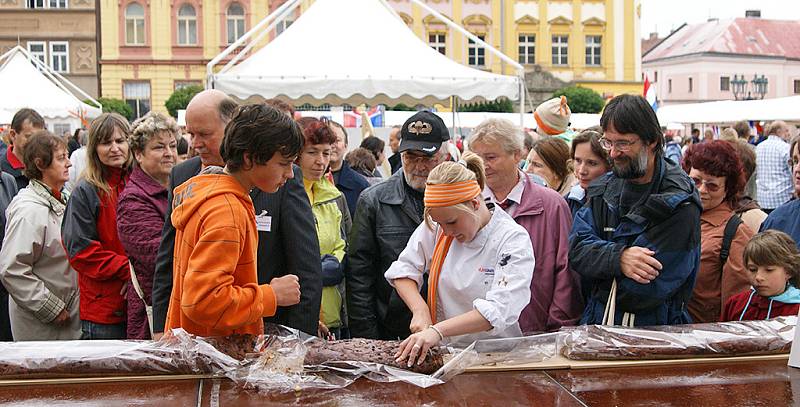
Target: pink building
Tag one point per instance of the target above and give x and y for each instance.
(697, 63)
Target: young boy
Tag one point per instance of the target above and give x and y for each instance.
(215, 289)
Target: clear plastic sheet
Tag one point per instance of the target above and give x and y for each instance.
(596, 342)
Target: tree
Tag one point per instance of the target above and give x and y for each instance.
(403, 107)
(501, 105)
(581, 100)
(112, 105)
(180, 99)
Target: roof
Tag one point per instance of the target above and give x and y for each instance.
(740, 36)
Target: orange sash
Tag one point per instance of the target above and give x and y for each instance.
(439, 253)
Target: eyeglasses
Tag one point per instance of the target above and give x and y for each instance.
(710, 186)
(420, 159)
(621, 145)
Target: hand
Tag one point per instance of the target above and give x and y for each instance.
(639, 264)
(157, 336)
(420, 320)
(417, 346)
(286, 289)
(62, 318)
(323, 332)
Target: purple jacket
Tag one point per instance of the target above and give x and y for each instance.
(555, 289)
(140, 217)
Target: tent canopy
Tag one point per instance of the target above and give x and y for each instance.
(730, 111)
(381, 61)
(48, 93)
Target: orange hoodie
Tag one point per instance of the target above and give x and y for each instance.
(215, 288)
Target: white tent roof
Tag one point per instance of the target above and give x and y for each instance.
(357, 51)
(48, 93)
(729, 111)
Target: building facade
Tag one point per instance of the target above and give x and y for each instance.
(702, 62)
(61, 33)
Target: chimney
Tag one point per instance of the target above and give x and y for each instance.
(752, 13)
(653, 36)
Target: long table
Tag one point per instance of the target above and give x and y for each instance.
(757, 383)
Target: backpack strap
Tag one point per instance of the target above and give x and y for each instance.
(727, 238)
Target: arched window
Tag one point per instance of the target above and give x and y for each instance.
(187, 25)
(134, 24)
(235, 22)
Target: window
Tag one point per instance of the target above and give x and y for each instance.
(235, 22)
(797, 86)
(527, 49)
(35, 3)
(438, 42)
(593, 49)
(46, 3)
(61, 128)
(59, 56)
(655, 76)
(691, 85)
(725, 83)
(137, 96)
(283, 26)
(476, 55)
(57, 3)
(560, 49)
(669, 85)
(186, 84)
(134, 24)
(187, 25)
(37, 50)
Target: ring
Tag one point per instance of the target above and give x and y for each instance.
(416, 346)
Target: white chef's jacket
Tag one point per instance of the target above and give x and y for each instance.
(491, 274)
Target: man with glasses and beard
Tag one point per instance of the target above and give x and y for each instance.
(386, 216)
(637, 240)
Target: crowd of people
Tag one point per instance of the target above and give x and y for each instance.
(112, 234)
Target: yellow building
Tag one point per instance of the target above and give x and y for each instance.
(151, 48)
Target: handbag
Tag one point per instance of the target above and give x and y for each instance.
(148, 308)
(610, 310)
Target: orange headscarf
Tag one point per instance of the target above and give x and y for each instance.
(440, 196)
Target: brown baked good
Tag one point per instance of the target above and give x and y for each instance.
(367, 350)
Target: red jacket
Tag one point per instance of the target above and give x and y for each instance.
(758, 308)
(89, 234)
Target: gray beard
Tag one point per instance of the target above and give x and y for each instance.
(634, 168)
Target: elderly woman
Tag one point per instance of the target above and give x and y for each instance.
(549, 159)
(716, 169)
(141, 209)
(89, 229)
(590, 161)
(33, 265)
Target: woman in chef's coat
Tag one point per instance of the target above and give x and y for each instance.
(480, 264)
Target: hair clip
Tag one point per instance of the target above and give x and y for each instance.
(462, 162)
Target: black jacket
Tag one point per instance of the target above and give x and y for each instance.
(291, 247)
(395, 162)
(351, 184)
(8, 190)
(5, 166)
(385, 219)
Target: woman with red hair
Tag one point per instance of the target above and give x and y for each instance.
(717, 172)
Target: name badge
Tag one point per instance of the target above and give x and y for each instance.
(263, 222)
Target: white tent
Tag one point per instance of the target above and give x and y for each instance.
(355, 51)
(730, 111)
(43, 90)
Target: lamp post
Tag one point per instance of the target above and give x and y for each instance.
(749, 90)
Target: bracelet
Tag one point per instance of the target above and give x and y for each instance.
(435, 329)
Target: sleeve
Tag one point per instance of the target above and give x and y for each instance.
(139, 229)
(79, 235)
(415, 259)
(362, 271)
(22, 248)
(511, 287)
(301, 245)
(567, 305)
(209, 297)
(589, 255)
(162, 275)
(735, 277)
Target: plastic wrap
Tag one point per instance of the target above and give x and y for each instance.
(596, 342)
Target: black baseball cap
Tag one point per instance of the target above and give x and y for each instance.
(424, 131)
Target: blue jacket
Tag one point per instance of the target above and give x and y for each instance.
(666, 220)
(785, 218)
(351, 184)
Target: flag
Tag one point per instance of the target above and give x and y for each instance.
(375, 114)
(649, 94)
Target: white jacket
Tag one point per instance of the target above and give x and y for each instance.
(35, 270)
(492, 274)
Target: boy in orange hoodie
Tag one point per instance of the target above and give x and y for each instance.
(215, 287)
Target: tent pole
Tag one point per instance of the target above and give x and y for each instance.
(258, 39)
(522, 101)
(454, 108)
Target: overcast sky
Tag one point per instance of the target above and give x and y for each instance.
(665, 15)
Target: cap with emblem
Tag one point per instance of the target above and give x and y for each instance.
(424, 131)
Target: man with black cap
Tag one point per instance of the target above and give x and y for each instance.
(386, 216)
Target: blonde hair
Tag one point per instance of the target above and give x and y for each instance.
(149, 125)
(102, 130)
(470, 167)
(774, 248)
(498, 131)
(729, 134)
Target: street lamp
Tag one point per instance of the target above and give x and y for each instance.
(749, 90)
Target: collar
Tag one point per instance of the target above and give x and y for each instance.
(56, 205)
(144, 181)
(394, 192)
(718, 215)
(516, 193)
(775, 137)
(480, 239)
(531, 202)
(13, 160)
(577, 193)
(790, 296)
